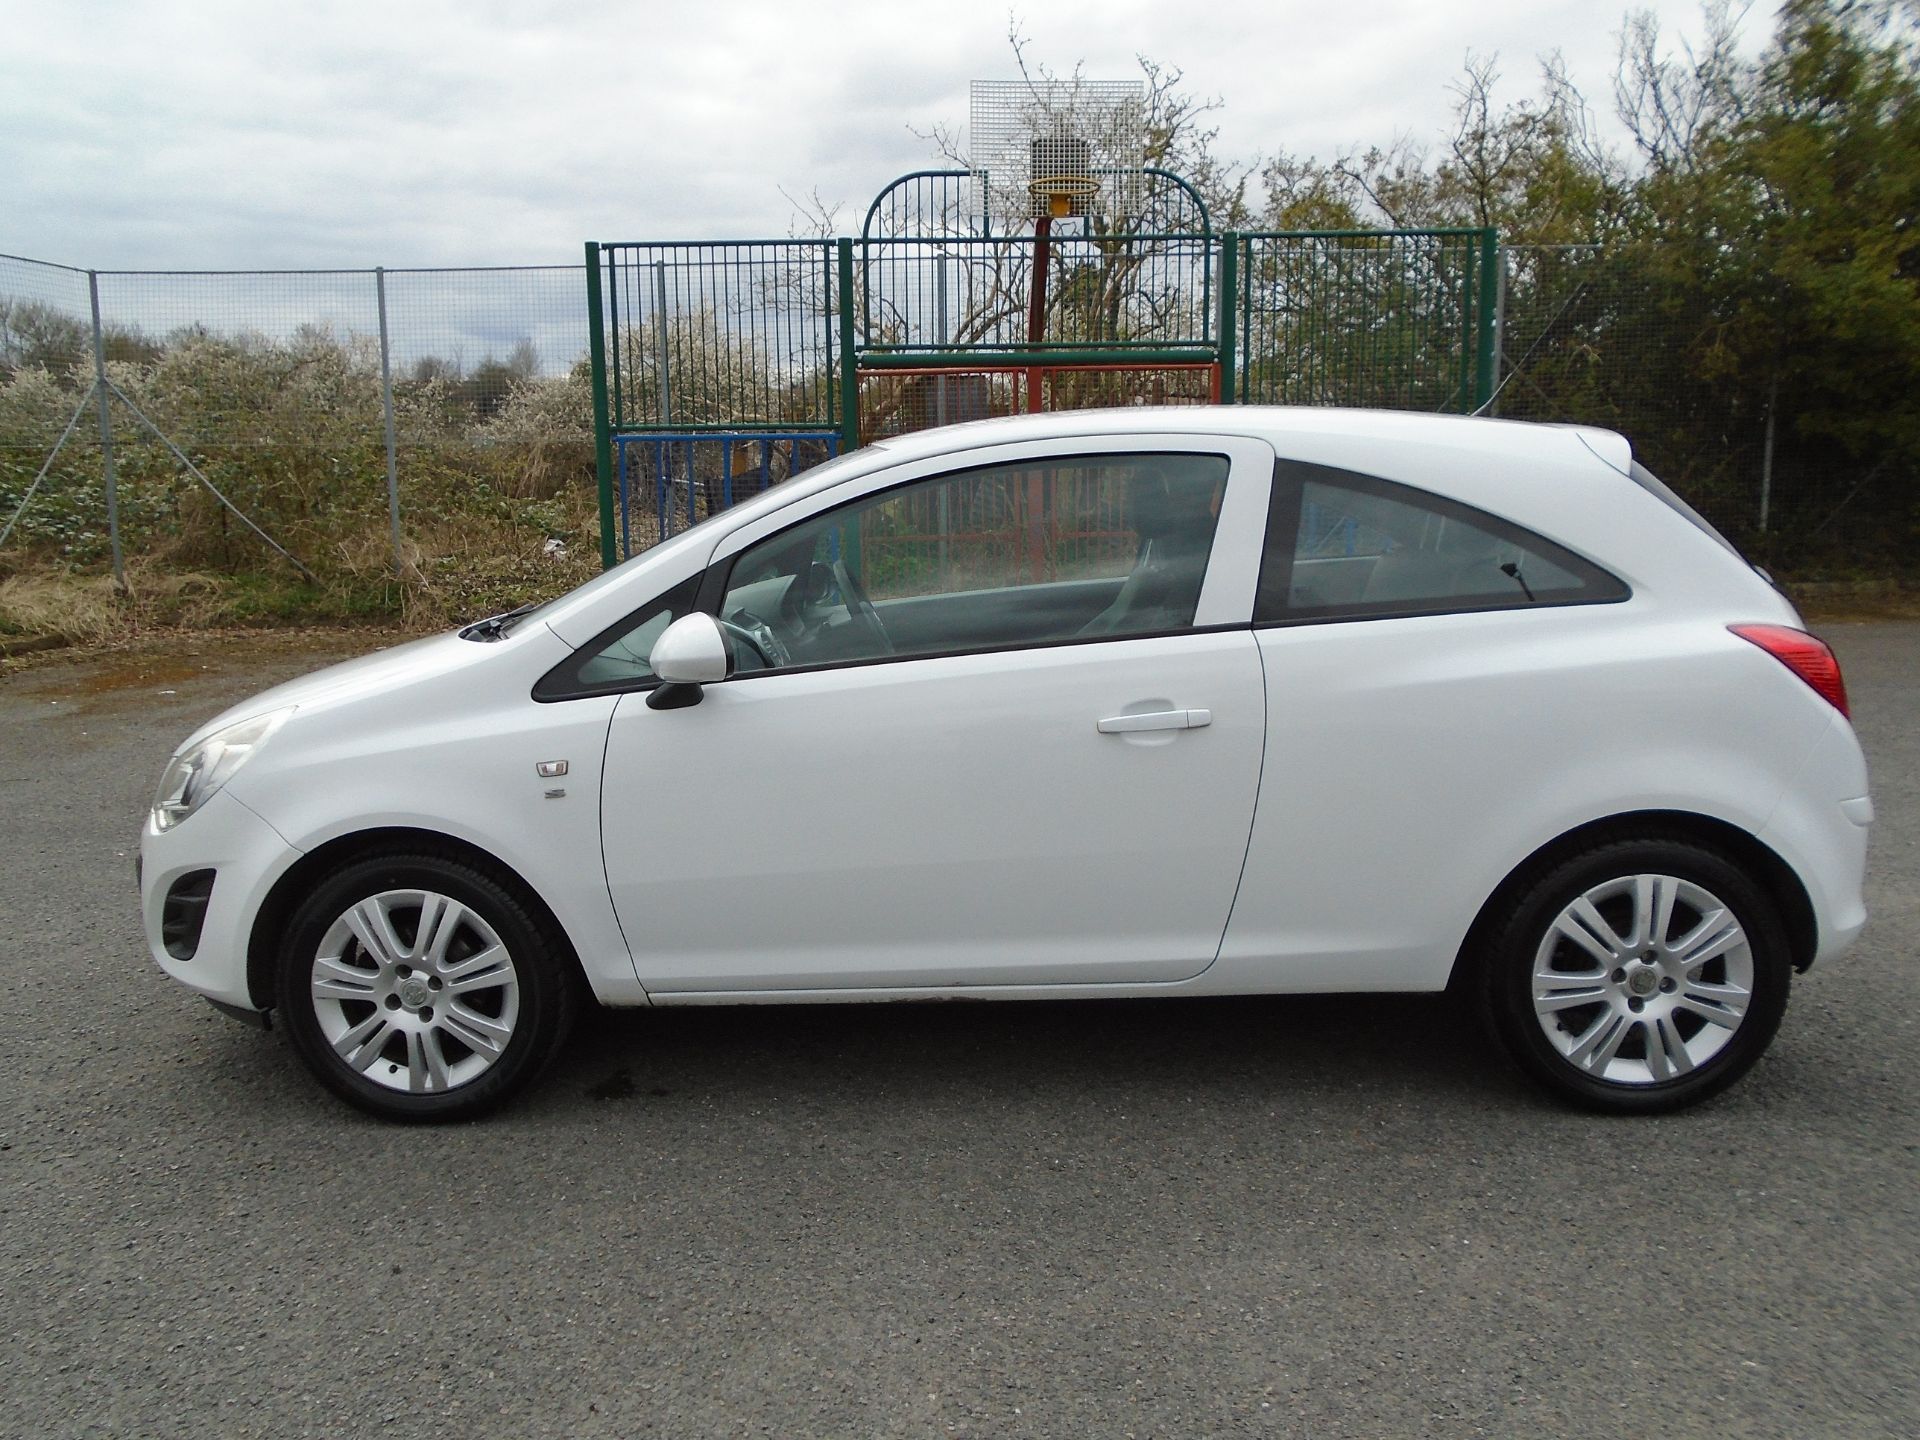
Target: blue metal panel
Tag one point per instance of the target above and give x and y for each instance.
(672, 460)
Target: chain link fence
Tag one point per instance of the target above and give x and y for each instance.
(424, 438)
(1383, 319)
(1606, 337)
(428, 427)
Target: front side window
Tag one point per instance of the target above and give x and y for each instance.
(1035, 552)
(618, 658)
(1346, 546)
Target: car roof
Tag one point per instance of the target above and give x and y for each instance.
(1275, 423)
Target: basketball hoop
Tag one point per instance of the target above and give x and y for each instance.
(1058, 196)
(1035, 140)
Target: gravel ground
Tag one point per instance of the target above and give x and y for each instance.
(1323, 1218)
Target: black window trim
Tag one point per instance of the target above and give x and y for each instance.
(1285, 508)
(1284, 511)
(563, 681)
(1061, 643)
(709, 590)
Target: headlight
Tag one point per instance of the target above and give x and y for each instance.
(193, 776)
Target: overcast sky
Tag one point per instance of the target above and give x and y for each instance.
(209, 133)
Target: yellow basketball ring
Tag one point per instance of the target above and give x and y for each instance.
(1063, 192)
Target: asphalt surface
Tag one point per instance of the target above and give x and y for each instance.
(1326, 1217)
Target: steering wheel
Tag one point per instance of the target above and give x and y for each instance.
(758, 636)
(808, 601)
(860, 606)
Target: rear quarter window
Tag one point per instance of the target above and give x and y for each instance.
(1344, 546)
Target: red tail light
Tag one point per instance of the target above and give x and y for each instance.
(1806, 655)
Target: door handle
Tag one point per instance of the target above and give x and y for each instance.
(1156, 720)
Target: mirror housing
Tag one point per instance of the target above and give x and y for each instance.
(692, 652)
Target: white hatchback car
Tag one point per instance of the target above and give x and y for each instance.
(1218, 701)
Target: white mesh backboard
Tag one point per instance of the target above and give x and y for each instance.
(1019, 129)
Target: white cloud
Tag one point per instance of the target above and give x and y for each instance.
(220, 134)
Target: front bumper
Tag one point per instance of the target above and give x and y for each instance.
(246, 856)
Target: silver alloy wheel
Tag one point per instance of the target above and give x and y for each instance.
(1642, 979)
(415, 991)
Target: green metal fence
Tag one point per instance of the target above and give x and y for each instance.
(727, 336)
(1389, 319)
(971, 293)
(933, 204)
(709, 340)
(923, 321)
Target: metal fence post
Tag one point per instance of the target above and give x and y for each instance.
(827, 420)
(1766, 454)
(853, 554)
(386, 406)
(1486, 338)
(849, 381)
(1491, 403)
(943, 334)
(602, 428)
(106, 434)
(1468, 349)
(662, 347)
(663, 398)
(1229, 314)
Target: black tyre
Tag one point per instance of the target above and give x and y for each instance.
(1641, 976)
(419, 988)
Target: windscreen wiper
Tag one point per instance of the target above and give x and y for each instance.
(494, 626)
(1512, 571)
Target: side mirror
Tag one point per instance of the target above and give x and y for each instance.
(692, 652)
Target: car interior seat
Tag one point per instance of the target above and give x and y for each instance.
(1175, 521)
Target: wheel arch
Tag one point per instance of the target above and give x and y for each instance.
(1737, 845)
(270, 920)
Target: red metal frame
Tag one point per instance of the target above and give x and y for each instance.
(1030, 380)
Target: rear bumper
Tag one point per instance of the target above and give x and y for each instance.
(246, 856)
(1820, 829)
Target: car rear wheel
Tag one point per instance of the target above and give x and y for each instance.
(1641, 976)
(418, 988)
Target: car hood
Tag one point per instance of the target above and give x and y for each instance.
(370, 674)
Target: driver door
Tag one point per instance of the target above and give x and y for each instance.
(994, 724)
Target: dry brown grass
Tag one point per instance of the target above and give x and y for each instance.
(89, 610)
(457, 565)
(460, 567)
(80, 608)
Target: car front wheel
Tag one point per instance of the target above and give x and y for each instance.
(1640, 976)
(418, 988)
